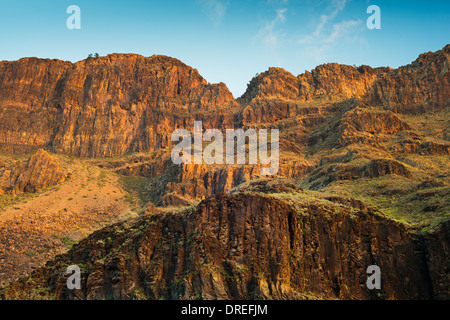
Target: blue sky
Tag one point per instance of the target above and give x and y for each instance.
(228, 40)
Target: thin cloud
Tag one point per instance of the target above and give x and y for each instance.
(214, 9)
(336, 7)
(281, 15)
(268, 34)
(342, 29)
(328, 31)
(277, 2)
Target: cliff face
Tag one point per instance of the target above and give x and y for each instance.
(27, 122)
(262, 245)
(100, 107)
(417, 87)
(331, 81)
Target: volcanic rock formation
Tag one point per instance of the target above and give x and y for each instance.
(252, 245)
(363, 178)
(40, 172)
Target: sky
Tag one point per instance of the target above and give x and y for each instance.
(228, 40)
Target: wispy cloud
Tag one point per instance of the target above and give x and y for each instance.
(341, 29)
(336, 7)
(328, 31)
(214, 9)
(269, 34)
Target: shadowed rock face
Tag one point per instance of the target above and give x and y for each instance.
(253, 245)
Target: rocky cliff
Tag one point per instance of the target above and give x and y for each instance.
(123, 103)
(256, 243)
(101, 107)
(417, 87)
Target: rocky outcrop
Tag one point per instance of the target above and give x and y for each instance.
(274, 83)
(417, 87)
(331, 81)
(41, 171)
(361, 168)
(338, 82)
(381, 167)
(27, 122)
(197, 182)
(372, 121)
(251, 245)
(363, 125)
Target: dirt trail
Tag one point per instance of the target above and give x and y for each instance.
(37, 229)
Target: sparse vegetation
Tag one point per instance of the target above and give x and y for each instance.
(67, 241)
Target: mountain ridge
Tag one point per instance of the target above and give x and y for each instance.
(69, 107)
